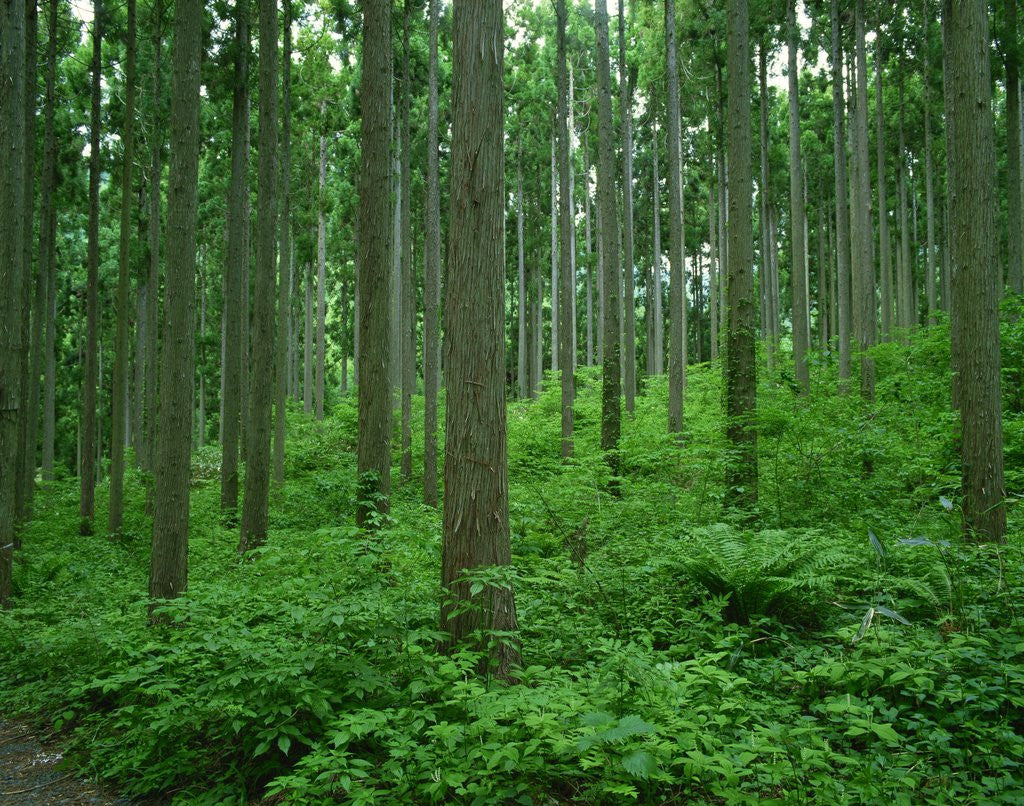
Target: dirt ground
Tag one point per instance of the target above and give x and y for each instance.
(31, 773)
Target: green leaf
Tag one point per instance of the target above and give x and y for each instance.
(886, 732)
(640, 764)
(284, 743)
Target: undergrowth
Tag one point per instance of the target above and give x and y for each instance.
(846, 648)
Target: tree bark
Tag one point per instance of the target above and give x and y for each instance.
(797, 212)
(321, 291)
(769, 292)
(554, 254)
(408, 316)
(976, 292)
(714, 268)
(908, 312)
(589, 251)
(677, 274)
(153, 239)
(168, 574)
(929, 280)
(740, 368)
(476, 532)
(629, 303)
(867, 300)
(523, 359)
(284, 250)
(237, 268)
(1015, 215)
(255, 514)
(565, 224)
(884, 263)
(657, 327)
(307, 342)
(842, 214)
(432, 280)
(375, 233)
(46, 356)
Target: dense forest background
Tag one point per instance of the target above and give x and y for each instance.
(404, 401)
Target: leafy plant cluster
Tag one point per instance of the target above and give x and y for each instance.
(846, 648)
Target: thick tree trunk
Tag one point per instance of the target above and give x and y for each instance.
(153, 248)
(375, 233)
(976, 292)
(611, 390)
(255, 514)
(284, 250)
(565, 224)
(168, 573)
(237, 268)
(523, 359)
(90, 373)
(769, 291)
(884, 263)
(476, 532)
(797, 212)
(307, 343)
(657, 326)
(1015, 216)
(629, 303)
(677, 273)
(867, 299)
(842, 214)
(47, 280)
(408, 317)
(321, 290)
(432, 281)
(740, 366)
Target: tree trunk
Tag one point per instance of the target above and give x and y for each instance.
(432, 280)
(565, 224)
(201, 425)
(657, 326)
(976, 292)
(87, 474)
(797, 213)
(47, 244)
(677, 274)
(168, 573)
(522, 366)
(609, 230)
(629, 304)
(842, 214)
(284, 250)
(908, 312)
(1015, 271)
(589, 251)
(408, 315)
(375, 233)
(237, 268)
(554, 255)
(769, 290)
(255, 505)
(885, 266)
(867, 299)
(740, 367)
(153, 240)
(307, 342)
(476, 532)
(714, 268)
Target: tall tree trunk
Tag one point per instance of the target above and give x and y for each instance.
(769, 291)
(476, 531)
(976, 292)
(237, 268)
(432, 280)
(119, 418)
(168, 571)
(908, 313)
(867, 299)
(408, 317)
(884, 264)
(611, 391)
(523, 359)
(12, 273)
(321, 288)
(657, 327)
(90, 375)
(629, 303)
(797, 212)
(842, 214)
(554, 254)
(565, 224)
(255, 505)
(307, 342)
(284, 250)
(714, 268)
(740, 367)
(374, 442)
(153, 248)
(589, 251)
(929, 280)
(45, 356)
(1015, 216)
(677, 273)
(201, 424)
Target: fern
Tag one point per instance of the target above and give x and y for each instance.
(786, 574)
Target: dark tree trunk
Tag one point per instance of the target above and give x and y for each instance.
(1011, 45)
(408, 314)
(884, 263)
(153, 239)
(842, 214)
(523, 372)
(257, 465)
(565, 224)
(976, 291)
(866, 299)
(629, 304)
(119, 418)
(656, 328)
(237, 268)
(797, 212)
(476, 532)
(168, 572)
(375, 233)
(740, 365)
(284, 249)
(432, 279)
(677, 274)
(47, 246)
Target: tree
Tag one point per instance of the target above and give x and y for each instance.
(629, 304)
(842, 214)
(375, 233)
(119, 418)
(432, 278)
(884, 265)
(797, 211)
(568, 282)
(976, 280)
(611, 385)
(677, 279)
(407, 318)
(168, 571)
(87, 470)
(12, 178)
(237, 266)
(284, 249)
(864, 295)
(476, 531)
(1014, 212)
(740, 365)
(257, 471)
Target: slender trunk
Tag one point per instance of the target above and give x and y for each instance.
(307, 367)
(713, 270)
(375, 232)
(255, 514)
(842, 214)
(908, 313)
(408, 317)
(929, 282)
(168, 575)
(869, 331)
(589, 251)
(629, 303)
(153, 247)
(677, 272)
(797, 213)
(741, 368)
(201, 425)
(657, 322)
(1015, 216)
(321, 288)
(769, 331)
(284, 249)
(554, 254)
(432, 279)
(884, 264)
(566, 289)
(522, 369)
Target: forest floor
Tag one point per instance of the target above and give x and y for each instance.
(31, 773)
